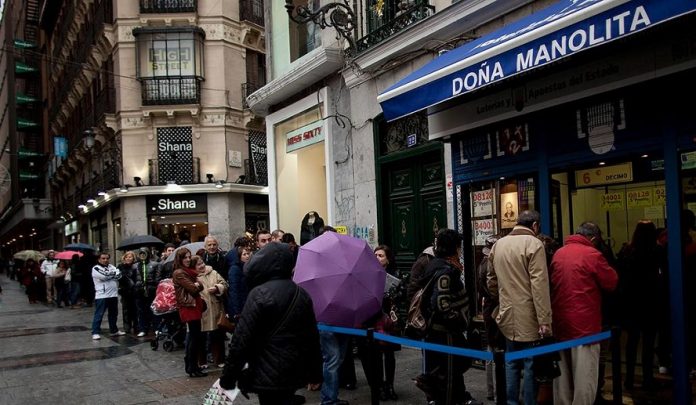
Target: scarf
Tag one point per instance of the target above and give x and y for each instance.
(454, 261)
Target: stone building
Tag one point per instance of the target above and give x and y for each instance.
(25, 206)
(146, 106)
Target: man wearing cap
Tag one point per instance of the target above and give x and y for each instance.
(48, 267)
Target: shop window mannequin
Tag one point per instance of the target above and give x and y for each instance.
(310, 227)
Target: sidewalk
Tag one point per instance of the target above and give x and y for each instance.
(47, 356)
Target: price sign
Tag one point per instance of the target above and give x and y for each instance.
(639, 197)
(482, 229)
(613, 201)
(660, 197)
(482, 203)
(622, 173)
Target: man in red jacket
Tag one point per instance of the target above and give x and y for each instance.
(579, 273)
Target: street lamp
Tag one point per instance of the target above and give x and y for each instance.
(88, 138)
(337, 15)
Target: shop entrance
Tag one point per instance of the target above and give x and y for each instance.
(615, 195)
(177, 228)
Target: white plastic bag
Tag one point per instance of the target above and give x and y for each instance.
(217, 395)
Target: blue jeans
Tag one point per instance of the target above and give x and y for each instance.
(100, 306)
(333, 350)
(512, 375)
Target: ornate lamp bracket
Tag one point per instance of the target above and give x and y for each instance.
(340, 16)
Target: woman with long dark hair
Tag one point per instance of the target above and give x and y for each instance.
(639, 277)
(190, 303)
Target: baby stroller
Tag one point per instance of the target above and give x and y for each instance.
(170, 331)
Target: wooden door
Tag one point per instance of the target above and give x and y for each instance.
(413, 205)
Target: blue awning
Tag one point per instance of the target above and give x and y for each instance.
(564, 29)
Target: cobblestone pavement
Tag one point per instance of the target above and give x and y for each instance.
(47, 356)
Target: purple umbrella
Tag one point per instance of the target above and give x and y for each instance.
(343, 277)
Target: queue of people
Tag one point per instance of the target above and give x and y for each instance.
(532, 290)
(57, 282)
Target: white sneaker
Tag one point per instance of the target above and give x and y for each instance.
(141, 334)
(663, 370)
(119, 333)
(96, 337)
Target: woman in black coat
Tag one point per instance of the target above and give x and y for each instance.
(276, 333)
(639, 267)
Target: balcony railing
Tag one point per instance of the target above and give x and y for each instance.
(248, 89)
(180, 173)
(251, 10)
(171, 90)
(393, 17)
(168, 6)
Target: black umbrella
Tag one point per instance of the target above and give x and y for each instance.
(81, 247)
(135, 242)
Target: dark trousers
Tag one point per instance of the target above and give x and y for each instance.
(101, 306)
(648, 332)
(276, 397)
(130, 313)
(88, 290)
(74, 292)
(194, 345)
(145, 317)
(215, 345)
(447, 370)
(62, 291)
(346, 373)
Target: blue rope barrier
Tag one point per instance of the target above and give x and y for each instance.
(466, 352)
(556, 347)
(339, 329)
(459, 351)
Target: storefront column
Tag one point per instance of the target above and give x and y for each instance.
(134, 216)
(226, 217)
(544, 190)
(680, 371)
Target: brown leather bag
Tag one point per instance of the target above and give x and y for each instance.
(225, 324)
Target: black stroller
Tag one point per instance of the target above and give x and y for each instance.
(171, 332)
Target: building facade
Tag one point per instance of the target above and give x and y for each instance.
(146, 105)
(462, 113)
(25, 205)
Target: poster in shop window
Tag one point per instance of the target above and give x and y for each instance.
(483, 228)
(482, 203)
(509, 210)
(639, 197)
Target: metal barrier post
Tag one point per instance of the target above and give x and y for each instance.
(372, 364)
(616, 380)
(500, 382)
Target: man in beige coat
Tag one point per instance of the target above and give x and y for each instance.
(518, 276)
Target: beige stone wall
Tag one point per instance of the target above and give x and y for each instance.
(219, 123)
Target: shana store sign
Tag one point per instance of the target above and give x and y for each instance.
(177, 204)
